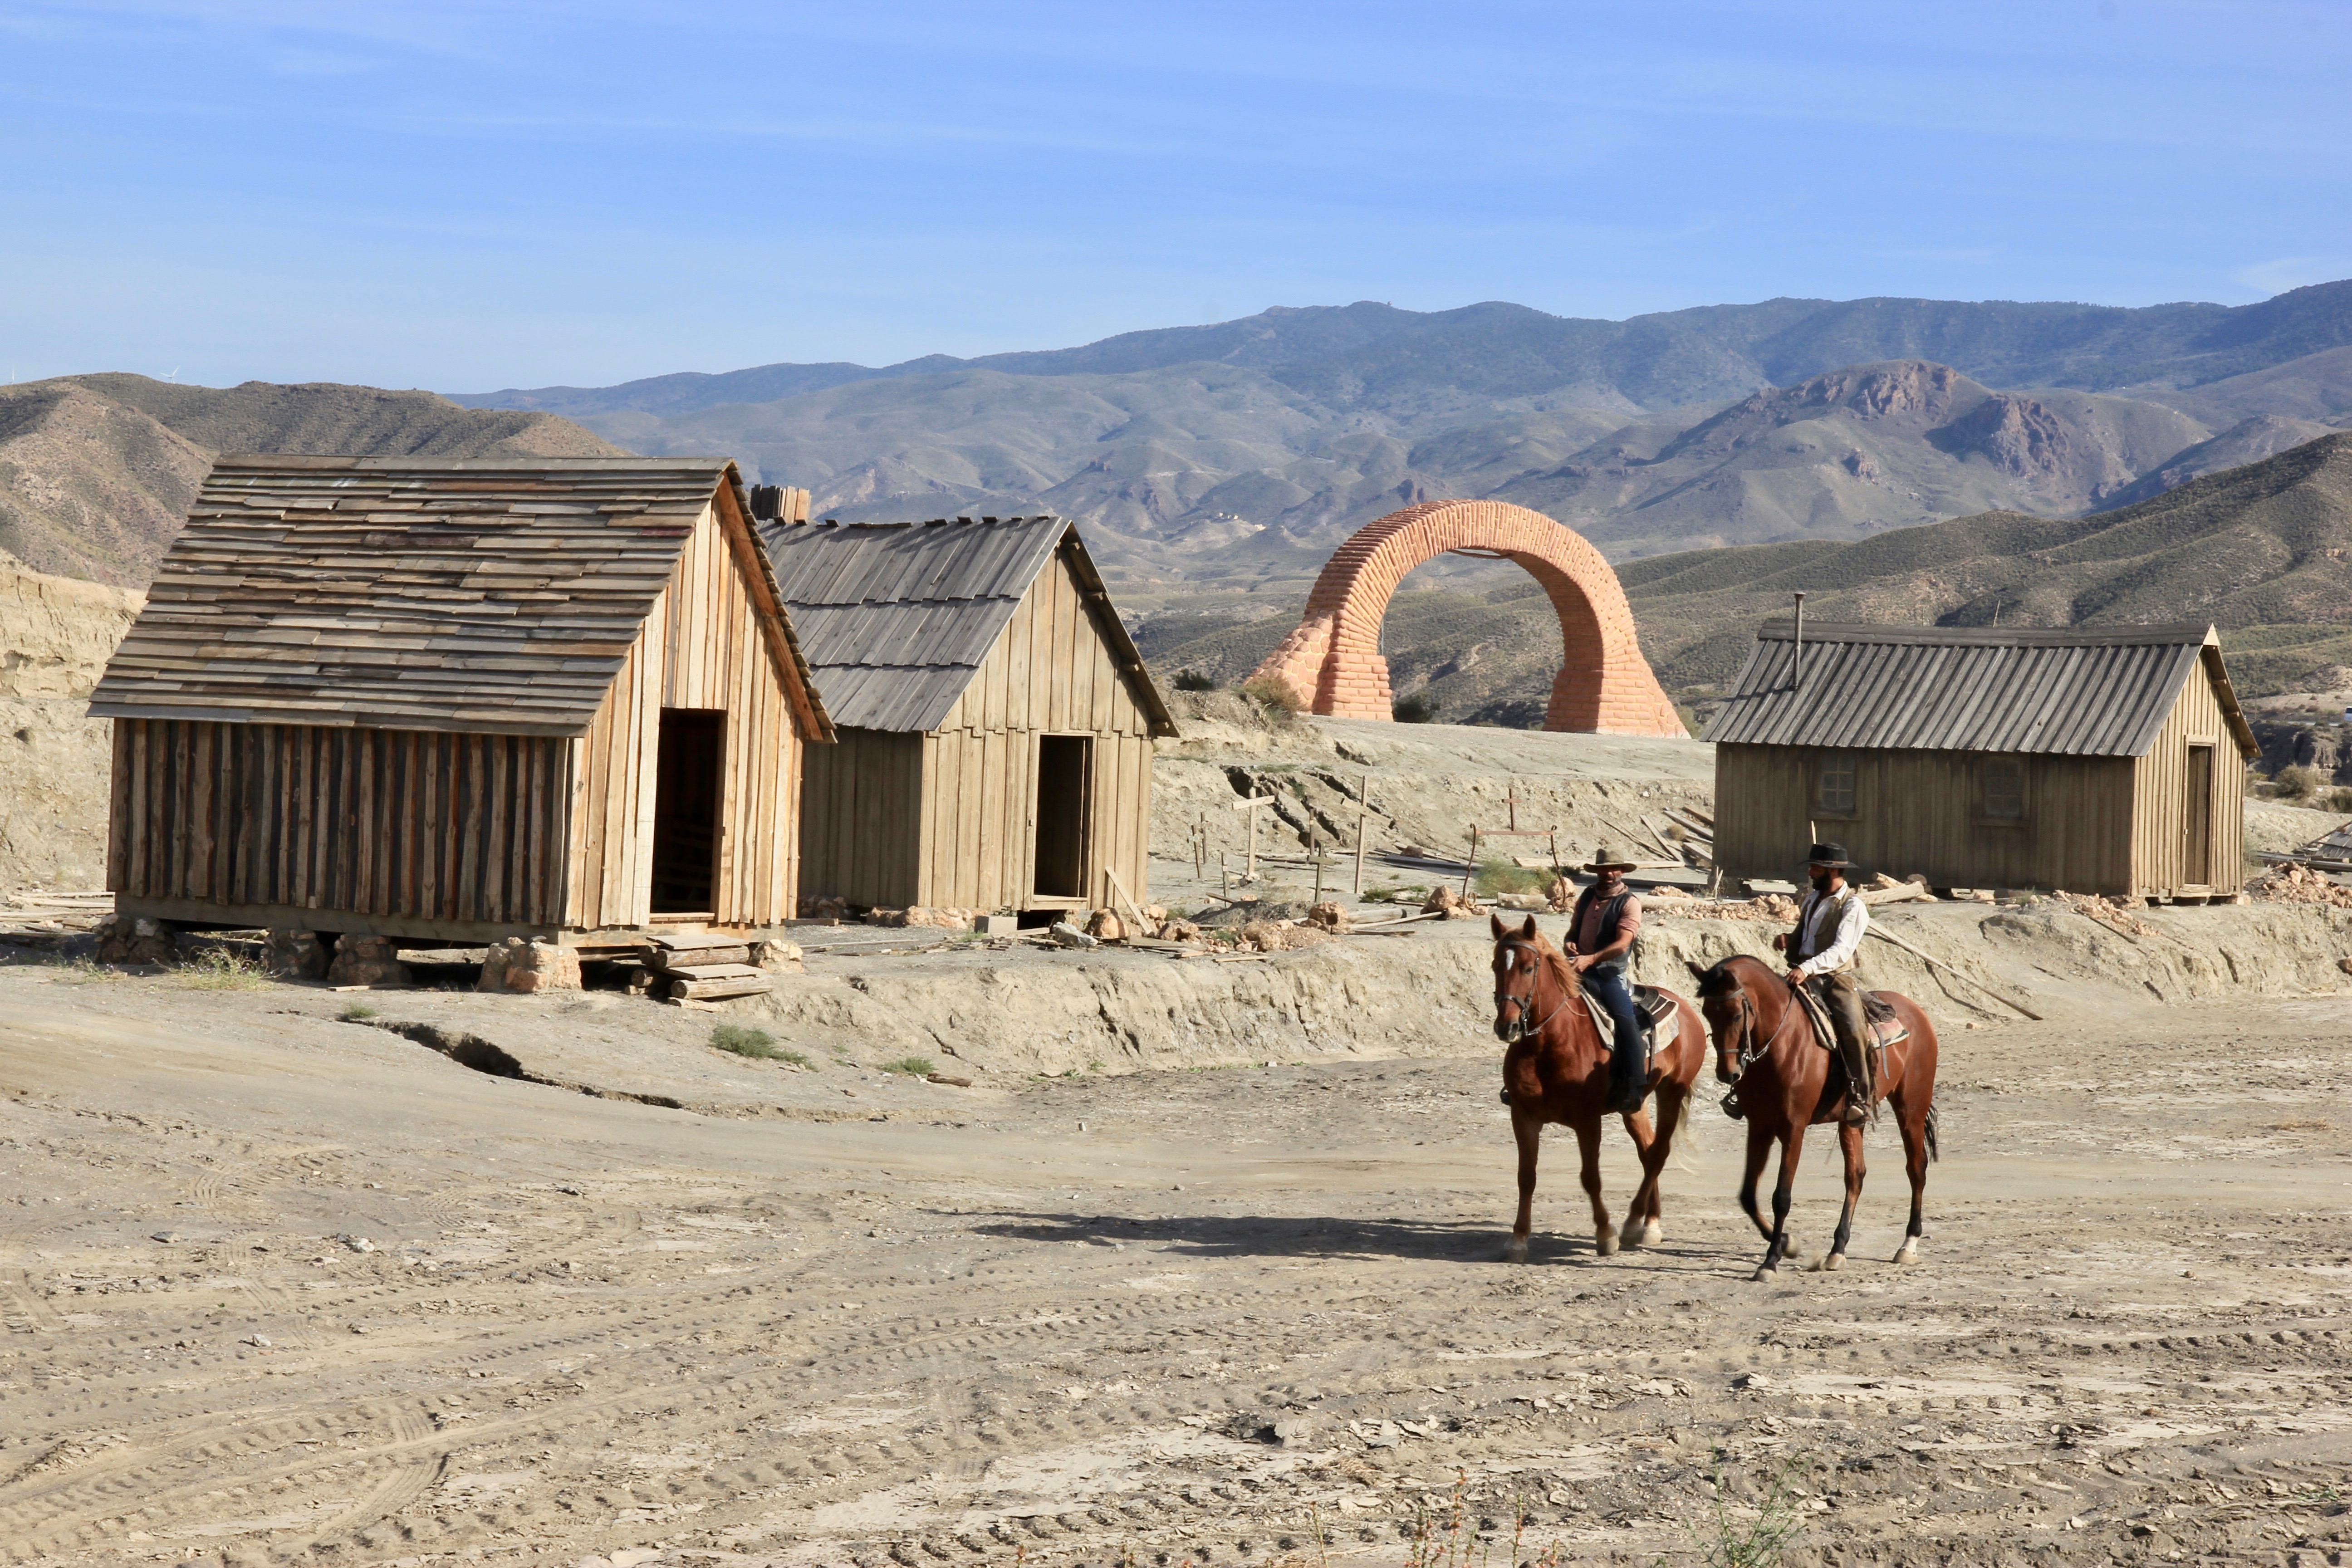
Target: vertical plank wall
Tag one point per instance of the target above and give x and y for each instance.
(861, 833)
(1920, 811)
(702, 647)
(1050, 672)
(2160, 798)
(423, 825)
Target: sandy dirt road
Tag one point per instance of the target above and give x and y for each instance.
(281, 1289)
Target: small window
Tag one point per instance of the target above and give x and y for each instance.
(2004, 789)
(1835, 797)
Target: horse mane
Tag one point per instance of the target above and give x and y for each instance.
(1557, 962)
(1723, 975)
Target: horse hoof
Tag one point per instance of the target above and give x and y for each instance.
(1515, 1249)
(1907, 1253)
(1653, 1234)
(1829, 1264)
(1605, 1243)
(1763, 1272)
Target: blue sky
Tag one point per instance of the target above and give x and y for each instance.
(477, 195)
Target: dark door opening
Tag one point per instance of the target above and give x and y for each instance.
(1065, 768)
(689, 785)
(2197, 851)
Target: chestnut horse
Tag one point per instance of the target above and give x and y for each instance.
(1766, 1046)
(1557, 1069)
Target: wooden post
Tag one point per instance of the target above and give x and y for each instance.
(1511, 799)
(1315, 852)
(1363, 812)
(1200, 846)
(1470, 869)
(1251, 805)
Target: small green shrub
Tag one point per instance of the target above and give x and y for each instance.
(357, 1013)
(85, 972)
(1280, 702)
(1502, 877)
(1419, 708)
(1194, 680)
(745, 1042)
(2339, 799)
(913, 1067)
(219, 969)
(2299, 781)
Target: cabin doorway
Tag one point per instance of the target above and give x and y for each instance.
(1064, 772)
(689, 788)
(2197, 846)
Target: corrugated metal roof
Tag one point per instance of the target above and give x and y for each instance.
(2077, 692)
(896, 617)
(484, 595)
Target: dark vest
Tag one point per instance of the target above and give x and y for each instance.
(1613, 916)
(1834, 904)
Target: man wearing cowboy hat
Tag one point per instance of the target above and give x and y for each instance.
(1601, 933)
(1830, 924)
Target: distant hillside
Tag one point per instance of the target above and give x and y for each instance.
(97, 471)
(1377, 356)
(1215, 454)
(2264, 552)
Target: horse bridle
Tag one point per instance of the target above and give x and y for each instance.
(1520, 1027)
(1749, 1052)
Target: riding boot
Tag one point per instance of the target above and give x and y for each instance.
(1628, 1083)
(1857, 1087)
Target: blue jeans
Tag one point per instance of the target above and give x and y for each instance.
(1608, 986)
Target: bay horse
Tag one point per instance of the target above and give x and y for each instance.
(1557, 1069)
(1767, 1047)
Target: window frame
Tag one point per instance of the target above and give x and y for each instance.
(1984, 815)
(1824, 764)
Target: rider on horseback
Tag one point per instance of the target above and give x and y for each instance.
(1830, 925)
(1601, 935)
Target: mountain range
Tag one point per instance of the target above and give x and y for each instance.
(1223, 453)
(2263, 551)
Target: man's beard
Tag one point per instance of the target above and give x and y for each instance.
(1821, 881)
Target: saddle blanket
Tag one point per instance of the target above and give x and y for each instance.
(1655, 1007)
(1886, 1027)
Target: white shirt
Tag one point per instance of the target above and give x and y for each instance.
(1844, 944)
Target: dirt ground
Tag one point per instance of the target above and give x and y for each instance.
(268, 1300)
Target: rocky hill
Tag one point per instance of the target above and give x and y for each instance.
(1215, 454)
(97, 471)
(2263, 551)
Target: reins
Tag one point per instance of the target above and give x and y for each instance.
(1750, 1053)
(1523, 1028)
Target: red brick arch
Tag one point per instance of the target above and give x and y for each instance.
(1333, 663)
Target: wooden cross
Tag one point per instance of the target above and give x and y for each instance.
(1365, 812)
(1251, 805)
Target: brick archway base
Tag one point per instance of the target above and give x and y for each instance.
(1333, 663)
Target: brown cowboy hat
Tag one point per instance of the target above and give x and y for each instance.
(1606, 859)
(1829, 854)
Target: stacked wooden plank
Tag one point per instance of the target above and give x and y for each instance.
(704, 968)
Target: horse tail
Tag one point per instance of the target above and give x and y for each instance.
(1934, 1153)
(1686, 1139)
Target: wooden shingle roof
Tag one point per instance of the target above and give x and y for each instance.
(897, 617)
(2081, 691)
(484, 595)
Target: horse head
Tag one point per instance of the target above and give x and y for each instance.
(1729, 1006)
(1519, 968)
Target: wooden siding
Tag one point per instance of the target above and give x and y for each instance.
(2116, 826)
(863, 800)
(386, 822)
(971, 797)
(702, 647)
(1051, 672)
(1920, 811)
(2160, 792)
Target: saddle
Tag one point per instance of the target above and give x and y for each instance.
(1653, 1005)
(1886, 1027)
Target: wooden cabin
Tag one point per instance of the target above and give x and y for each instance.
(2096, 760)
(995, 719)
(461, 699)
